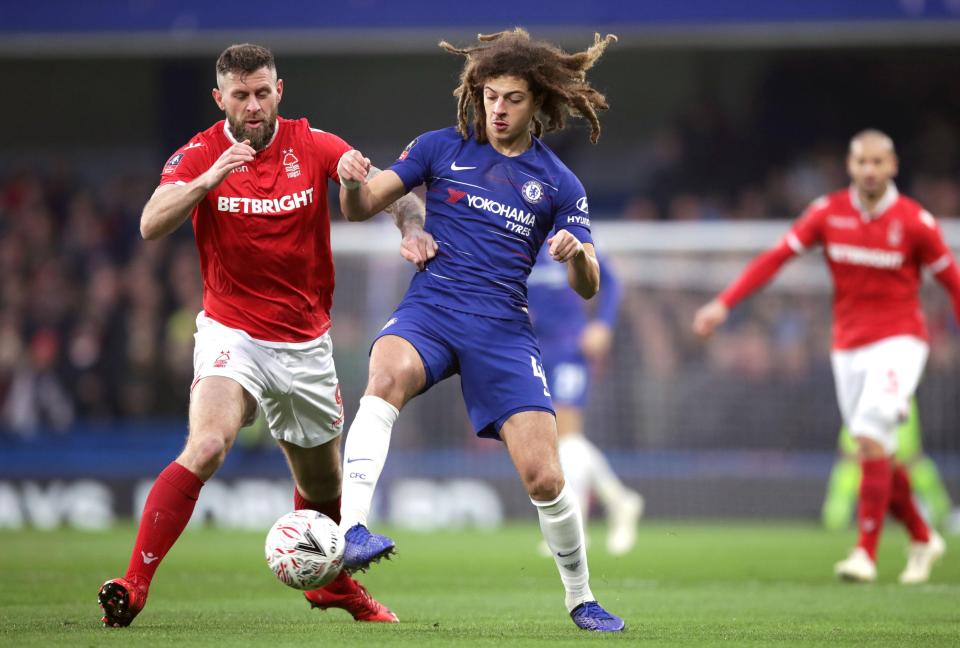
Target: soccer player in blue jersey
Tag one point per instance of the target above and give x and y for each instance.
(494, 194)
(574, 341)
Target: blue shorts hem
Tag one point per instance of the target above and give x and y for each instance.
(492, 430)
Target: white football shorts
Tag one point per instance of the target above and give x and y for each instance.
(875, 383)
(295, 384)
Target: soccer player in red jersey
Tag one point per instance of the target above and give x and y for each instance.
(255, 187)
(876, 243)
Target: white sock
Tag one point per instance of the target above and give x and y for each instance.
(576, 464)
(608, 486)
(563, 530)
(364, 454)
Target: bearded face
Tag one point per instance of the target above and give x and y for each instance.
(258, 128)
(250, 102)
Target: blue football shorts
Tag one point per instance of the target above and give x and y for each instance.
(498, 360)
(568, 376)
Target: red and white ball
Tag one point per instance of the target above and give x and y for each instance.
(304, 549)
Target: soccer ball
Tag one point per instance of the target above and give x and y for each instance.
(304, 549)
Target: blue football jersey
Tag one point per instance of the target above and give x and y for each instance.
(489, 215)
(559, 314)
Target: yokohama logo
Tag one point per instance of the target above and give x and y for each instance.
(282, 205)
(492, 207)
(862, 256)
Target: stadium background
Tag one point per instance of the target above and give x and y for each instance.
(726, 119)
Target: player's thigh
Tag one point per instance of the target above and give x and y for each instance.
(308, 411)
(501, 373)
(222, 352)
(569, 420)
(848, 379)
(531, 439)
(219, 406)
(397, 370)
(229, 379)
(412, 352)
(893, 368)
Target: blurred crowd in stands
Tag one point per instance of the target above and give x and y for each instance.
(96, 324)
(688, 173)
(93, 322)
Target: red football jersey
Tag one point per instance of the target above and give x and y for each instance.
(264, 233)
(876, 261)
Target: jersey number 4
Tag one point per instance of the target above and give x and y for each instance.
(539, 373)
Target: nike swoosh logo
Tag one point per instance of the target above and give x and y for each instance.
(454, 167)
(193, 145)
(567, 555)
(359, 459)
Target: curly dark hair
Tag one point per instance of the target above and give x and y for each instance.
(556, 79)
(244, 58)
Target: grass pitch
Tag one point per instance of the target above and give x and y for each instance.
(685, 585)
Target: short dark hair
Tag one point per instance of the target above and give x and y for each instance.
(244, 58)
(557, 79)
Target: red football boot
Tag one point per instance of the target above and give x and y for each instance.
(347, 594)
(121, 601)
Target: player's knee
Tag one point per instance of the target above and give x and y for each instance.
(544, 484)
(881, 419)
(205, 454)
(392, 385)
(870, 448)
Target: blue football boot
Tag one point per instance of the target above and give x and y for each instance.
(590, 616)
(363, 548)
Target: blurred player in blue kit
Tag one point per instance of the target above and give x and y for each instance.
(494, 193)
(574, 342)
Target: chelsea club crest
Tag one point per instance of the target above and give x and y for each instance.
(532, 191)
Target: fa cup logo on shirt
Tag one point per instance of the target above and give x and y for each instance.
(290, 163)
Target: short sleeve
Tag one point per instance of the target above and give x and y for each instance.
(189, 162)
(572, 212)
(414, 164)
(807, 231)
(933, 251)
(330, 148)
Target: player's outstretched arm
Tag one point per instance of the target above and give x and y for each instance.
(939, 261)
(583, 270)
(362, 193)
(171, 204)
(949, 278)
(757, 273)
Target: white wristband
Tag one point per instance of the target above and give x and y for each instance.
(347, 184)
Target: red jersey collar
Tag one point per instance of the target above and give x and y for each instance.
(890, 196)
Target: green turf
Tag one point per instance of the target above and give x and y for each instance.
(686, 585)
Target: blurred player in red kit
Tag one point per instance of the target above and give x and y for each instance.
(876, 243)
(255, 187)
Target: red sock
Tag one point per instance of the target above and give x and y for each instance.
(165, 514)
(343, 583)
(903, 508)
(874, 499)
(330, 508)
